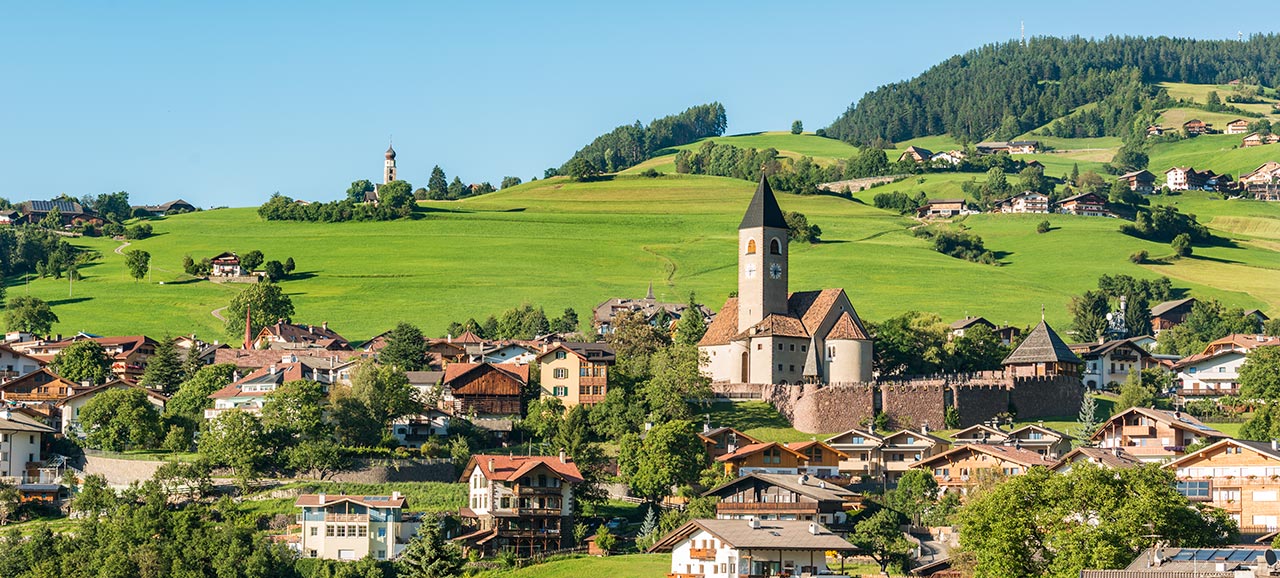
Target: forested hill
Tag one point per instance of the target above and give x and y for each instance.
(1003, 90)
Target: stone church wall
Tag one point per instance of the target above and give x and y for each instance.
(915, 404)
(979, 402)
(1046, 396)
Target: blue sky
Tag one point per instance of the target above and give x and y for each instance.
(224, 103)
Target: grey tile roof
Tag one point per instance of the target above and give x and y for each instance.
(1042, 345)
(771, 535)
(763, 210)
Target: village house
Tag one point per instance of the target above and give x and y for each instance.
(902, 450)
(768, 458)
(768, 335)
(576, 373)
(1155, 130)
(735, 548)
(20, 446)
(724, 440)
(128, 354)
(783, 497)
(14, 363)
(1196, 126)
(1108, 364)
(412, 431)
(979, 433)
(71, 213)
(966, 465)
(249, 393)
(1042, 354)
(1110, 458)
(521, 503)
(862, 446)
(950, 157)
(174, 207)
(1215, 372)
(1237, 126)
(1024, 202)
(1167, 314)
(249, 360)
(1186, 178)
(227, 264)
(39, 390)
(291, 336)
(821, 460)
(654, 312)
(1040, 439)
(509, 351)
(341, 527)
(960, 326)
(943, 209)
(1153, 435)
(484, 389)
(1019, 147)
(70, 406)
(1142, 181)
(915, 154)
(1239, 477)
(1255, 139)
(1085, 205)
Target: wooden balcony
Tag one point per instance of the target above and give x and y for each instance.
(346, 517)
(590, 399)
(767, 508)
(585, 380)
(1139, 430)
(702, 553)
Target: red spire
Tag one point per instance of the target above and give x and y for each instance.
(248, 329)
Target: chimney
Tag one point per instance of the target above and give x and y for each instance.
(322, 496)
(1274, 445)
(801, 480)
(562, 456)
(490, 465)
(273, 369)
(813, 528)
(395, 495)
(324, 325)
(924, 429)
(6, 414)
(754, 523)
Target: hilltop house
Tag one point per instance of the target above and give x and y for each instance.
(341, 527)
(767, 334)
(916, 154)
(1085, 205)
(174, 207)
(1237, 126)
(1140, 181)
(576, 373)
(1186, 178)
(1155, 130)
(964, 466)
(1267, 173)
(227, 264)
(1024, 202)
(1215, 371)
(1196, 126)
(735, 548)
(521, 503)
(1108, 364)
(1239, 477)
(1153, 435)
(950, 157)
(783, 497)
(1167, 314)
(71, 213)
(1254, 139)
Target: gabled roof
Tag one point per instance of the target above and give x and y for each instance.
(588, 351)
(1263, 449)
(1113, 458)
(1164, 307)
(802, 446)
(751, 449)
(865, 434)
(64, 207)
(14, 421)
(918, 151)
(115, 384)
(313, 500)
(291, 333)
(1013, 454)
(763, 211)
(768, 535)
(1177, 420)
(1041, 429)
(518, 372)
(1099, 349)
(846, 328)
(508, 468)
(776, 325)
(1042, 345)
(968, 322)
(275, 374)
(743, 438)
(918, 435)
(23, 379)
(980, 428)
(1083, 197)
(724, 327)
(810, 488)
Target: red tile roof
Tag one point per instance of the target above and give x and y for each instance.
(846, 328)
(508, 468)
(724, 326)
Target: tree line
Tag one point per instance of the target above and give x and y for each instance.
(630, 144)
(395, 201)
(1006, 89)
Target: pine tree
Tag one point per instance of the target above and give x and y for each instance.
(1088, 418)
(650, 524)
(192, 363)
(1075, 174)
(428, 555)
(692, 326)
(164, 369)
(437, 185)
(405, 348)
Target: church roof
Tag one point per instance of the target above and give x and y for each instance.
(777, 326)
(724, 326)
(763, 210)
(805, 312)
(1042, 345)
(847, 328)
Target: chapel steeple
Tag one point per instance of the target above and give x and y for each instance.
(762, 258)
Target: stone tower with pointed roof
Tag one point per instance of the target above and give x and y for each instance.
(762, 259)
(768, 335)
(389, 167)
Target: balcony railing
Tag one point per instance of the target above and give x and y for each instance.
(585, 380)
(702, 553)
(346, 517)
(1139, 430)
(767, 507)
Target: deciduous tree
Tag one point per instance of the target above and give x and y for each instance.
(266, 304)
(84, 360)
(138, 262)
(118, 419)
(29, 314)
(878, 536)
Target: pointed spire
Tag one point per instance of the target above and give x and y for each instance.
(763, 210)
(649, 295)
(248, 331)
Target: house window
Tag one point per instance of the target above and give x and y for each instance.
(1194, 489)
(779, 367)
(772, 456)
(759, 346)
(793, 347)
(779, 347)
(560, 355)
(315, 530)
(561, 373)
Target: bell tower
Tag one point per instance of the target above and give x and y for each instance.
(389, 167)
(762, 259)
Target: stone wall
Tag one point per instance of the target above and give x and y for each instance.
(979, 402)
(915, 404)
(120, 472)
(829, 409)
(380, 471)
(1041, 397)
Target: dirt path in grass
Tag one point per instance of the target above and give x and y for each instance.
(217, 314)
(120, 249)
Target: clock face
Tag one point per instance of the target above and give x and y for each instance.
(775, 270)
(751, 271)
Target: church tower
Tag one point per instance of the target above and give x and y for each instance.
(762, 259)
(389, 168)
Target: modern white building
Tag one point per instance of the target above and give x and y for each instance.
(339, 527)
(20, 454)
(734, 548)
(1215, 371)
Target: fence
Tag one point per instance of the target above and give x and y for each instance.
(664, 505)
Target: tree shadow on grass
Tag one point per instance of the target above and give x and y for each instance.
(301, 275)
(69, 301)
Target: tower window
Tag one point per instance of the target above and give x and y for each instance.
(751, 246)
(775, 246)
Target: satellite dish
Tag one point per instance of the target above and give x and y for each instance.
(1269, 556)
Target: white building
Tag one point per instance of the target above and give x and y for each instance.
(414, 430)
(20, 437)
(522, 503)
(353, 527)
(767, 334)
(250, 392)
(733, 548)
(1109, 364)
(1024, 202)
(15, 364)
(1216, 370)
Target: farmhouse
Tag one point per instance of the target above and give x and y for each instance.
(40, 387)
(768, 335)
(916, 154)
(964, 466)
(959, 326)
(1155, 130)
(943, 208)
(950, 157)
(250, 392)
(1268, 173)
(1110, 362)
(1140, 181)
(1196, 126)
(174, 207)
(576, 373)
(779, 497)
(653, 311)
(1186, 178)
(341, 527)
(70, 212)
(733, 548)
(1215, 371)
(1254, 139)
(485, 389)
(1085, 205)
(1153, 435)
(1019, 147)
(1239, 477)
(522, 503)
(227, 264)
(1167, 314)
(1024, 202)
(1237, 126)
